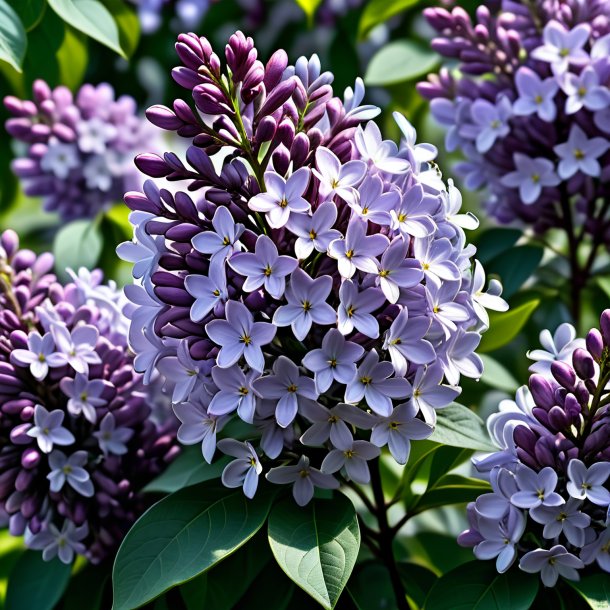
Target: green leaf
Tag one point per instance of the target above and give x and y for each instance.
(497, 376)
(126, 19)
(477, 585)
(92, 18)
(458, 426)
(317, 545)
(450, 489)
(187, 469)
(417, 581)
(379, 597)
(495, 241)
(505, 326)
(182, 536)
(595, 590)
(30, 11)
(89, 583)
(379, 11)
(515, 266)
(72, 58)
(399, 61)
(77, 244)
(35, 583)
(13, 40)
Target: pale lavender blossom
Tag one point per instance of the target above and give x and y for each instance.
(235, 392)
(70, 470)
(399, 429)
(536, 95)
(536, 488)
(39, 355)
(442, 307)
(355, 309)
(580, 153)
(491, 122)
(565, 519)
(94, 135)
(307, 304)
(552, 564)
(397, 271)
(239, 335)
(315, 231)
(304, 478)
(84, 395)
(264, 267)
(418, 153)
(500, 539)
(482, 301)
(334, 360)
(55, 543)
(182, 370)
(288, 387)
(198, 425)
(374, 383)
(598, 550)
(76, 347)
(337, 179)
(562, 47)
(584, 90)
(413, 215)
(405, 341)
(435, 258)
(353, 460)
(244, 470)
(530, 177)
(282, 197)
(208, 290)
(428, 394)
(588, 483)
(47, 429)
(222, 242)
(558, 347)
(372, 204)
(111, 438)
(60, 159)
(383, 154)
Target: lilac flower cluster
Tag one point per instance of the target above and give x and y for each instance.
(78, 442)
(79, 149)
(318, 287)
(550, 505)
(530, 108)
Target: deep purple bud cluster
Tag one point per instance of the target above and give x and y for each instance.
(79, 439)
(529, 108)
(79, 150)
(319, 287)
(551, 490)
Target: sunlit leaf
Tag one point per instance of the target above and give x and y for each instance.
(13, 40)
(505, 326)
(399, 61)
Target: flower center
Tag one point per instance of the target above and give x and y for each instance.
(540, 494)
(402, 217)
(496, 124)
(586, 485)
(83, 397)
(253, 461)
(348, 454)
(283, 202)
(333, 419)
(41, 358)
(365, 211)
(268, 271)
(216, 292)
(226, 241)
(564, 52)
(538, 99)
(561, 517)
(244, 391)
(334, 183)
(366, 380)
(351, 310)
(394, 425)
(291, 388)
(535, 178)
(579, 154)
(303, 473)
(333, 362)
(312, 234)
(246, 339)
(67, 469)
(582, 91)
(306, 305)
(384, 273)
(349, 254)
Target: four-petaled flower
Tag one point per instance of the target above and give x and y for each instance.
(580, 153)
(76, 347)
(589, 482)
(536, 488)
(221, 242)
(355, 309)
(111, 438)
(84, 395)
(530, 177)
(551, 564)
(47, 429)
(353, 459)
(535, 95)
(562, 47)
(70, 470)
(39, 356)
(315, 231)
(337, 179)
(244, 470)
(234, 393)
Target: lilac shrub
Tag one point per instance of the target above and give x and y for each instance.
(79, 149)
(310, 279)
(78, 436)
(529, 109)
(549, 508)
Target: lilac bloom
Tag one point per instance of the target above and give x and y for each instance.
(337, 179)
(84, 395)
(222, 242)
(353, 459)
(396, 271)
(314, 232)
(234, 392)
(288, 387)
(111, 438)
(239, 335)
(70, 470)
(304, 477)
(39, 355)
(558, 347)
(435, 258)
(497, 504)
(413, 214)
(331, 424)
(535, 95)
(399, 429)
(355, 309)
(243, 471)
(442, 307)
(551, 564)
(452, 200)
(383, 154)
(405, 342)
(76, 348)
(334, 360)
(585, 90)
(566, 519)
(198, 425)
(491, 122)
(282, 197)
(580, 153)
(562, 47)
(372, 383)
(372, 203)
(598, 550)
(358, 250)
(94, 134)
(530, 176)
(47, 429)
(482, 301)
(589, 482)
(428, 394)
(264, 267)
(60, 159)
(273, 436)
(536, 488)
(208, 291)
(182, 371)
(306, 304)
(418, 153)
(500, 539)
(63, 544)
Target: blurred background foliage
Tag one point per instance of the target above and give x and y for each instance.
(387, 43)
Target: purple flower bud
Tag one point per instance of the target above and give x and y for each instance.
(583, 364)
(542, 391)
(564, 374)
(595, 344)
